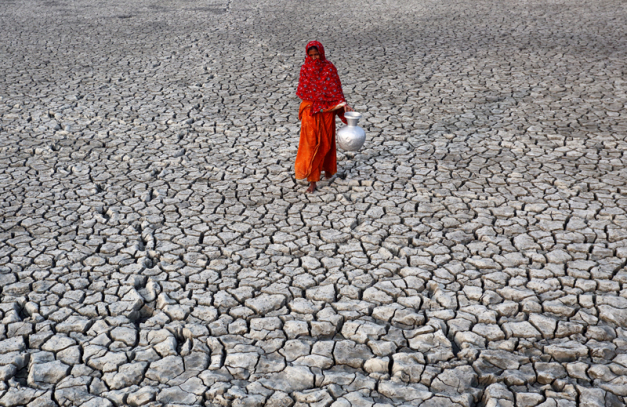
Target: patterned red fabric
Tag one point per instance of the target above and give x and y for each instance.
(319, 82)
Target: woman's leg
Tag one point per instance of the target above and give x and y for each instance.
(329, 166)
(314, 177)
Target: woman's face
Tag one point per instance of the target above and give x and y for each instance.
(313, 53)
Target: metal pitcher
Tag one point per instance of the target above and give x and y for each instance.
(351, 137)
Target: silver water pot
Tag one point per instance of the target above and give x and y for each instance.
(351, 137)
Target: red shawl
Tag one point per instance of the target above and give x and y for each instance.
(319, 82)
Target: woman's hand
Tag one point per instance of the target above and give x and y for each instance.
(347, 108)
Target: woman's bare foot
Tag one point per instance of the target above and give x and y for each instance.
(312, 187)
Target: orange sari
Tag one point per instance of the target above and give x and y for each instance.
(316, 149)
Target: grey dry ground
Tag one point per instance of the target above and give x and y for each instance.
(155, 248)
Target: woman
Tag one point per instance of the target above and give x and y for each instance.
(320, 89)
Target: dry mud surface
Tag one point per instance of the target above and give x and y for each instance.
(155, 248)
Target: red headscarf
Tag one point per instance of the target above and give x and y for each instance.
(319, 82)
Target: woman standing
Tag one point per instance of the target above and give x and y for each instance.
(320, 89)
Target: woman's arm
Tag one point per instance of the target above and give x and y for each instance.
(343, 105)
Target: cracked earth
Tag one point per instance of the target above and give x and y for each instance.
(155, 248)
